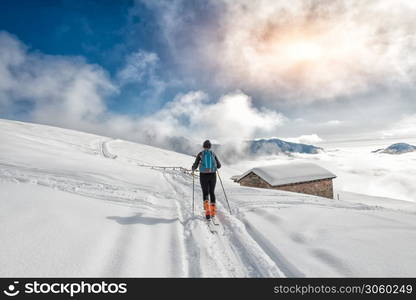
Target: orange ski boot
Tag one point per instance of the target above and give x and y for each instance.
(213, 209)
(207, 209)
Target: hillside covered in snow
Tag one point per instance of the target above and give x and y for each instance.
(77, 204)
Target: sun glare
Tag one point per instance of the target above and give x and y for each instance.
(303, 51)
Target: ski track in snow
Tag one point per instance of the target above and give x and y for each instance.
(84, 185)
(104, 149)
(233, 250)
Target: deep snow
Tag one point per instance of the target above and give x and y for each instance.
(77, 204)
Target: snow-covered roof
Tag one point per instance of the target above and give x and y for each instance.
(283, 174)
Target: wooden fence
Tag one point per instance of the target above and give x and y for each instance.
(174, 168)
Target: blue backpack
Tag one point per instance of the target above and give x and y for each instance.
(208, 162)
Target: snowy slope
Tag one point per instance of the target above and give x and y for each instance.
(77, 204)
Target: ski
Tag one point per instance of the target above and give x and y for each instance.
(210, 224)
(211, 227)
(215, 221)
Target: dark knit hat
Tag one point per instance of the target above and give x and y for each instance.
(206, 144)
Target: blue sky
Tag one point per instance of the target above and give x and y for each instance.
(145, 69)
(103, 32)
(92, 29)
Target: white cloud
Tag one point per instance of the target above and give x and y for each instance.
(295, 50)
(233, 117)
(306, 139)
(137, 65)
(54, 89)
(68, 92)
(333, 123)
(404, 128)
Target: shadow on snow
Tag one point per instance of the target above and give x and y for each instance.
(139, 219)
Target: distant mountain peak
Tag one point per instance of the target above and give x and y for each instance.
(398, 148)
(276, 146)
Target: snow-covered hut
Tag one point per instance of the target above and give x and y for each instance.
(303, 178)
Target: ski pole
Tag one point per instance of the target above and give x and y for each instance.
(193, 194)
(224, 192)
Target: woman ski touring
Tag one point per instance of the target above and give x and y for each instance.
(208, 164)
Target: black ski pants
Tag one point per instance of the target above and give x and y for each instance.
(208, 181)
